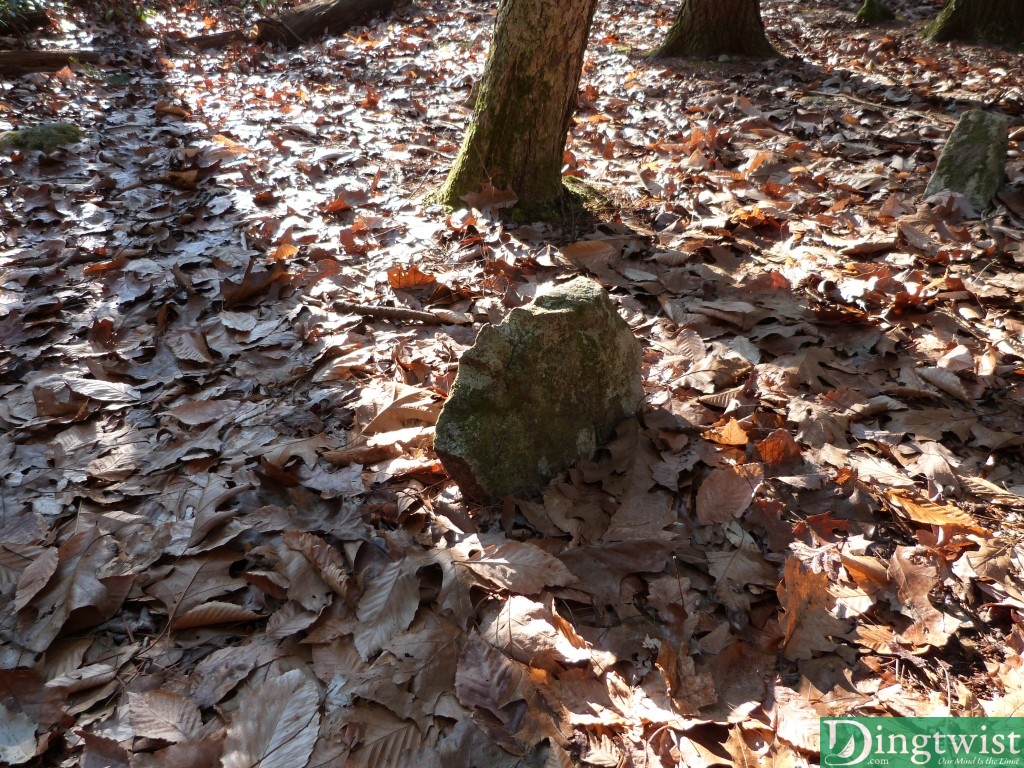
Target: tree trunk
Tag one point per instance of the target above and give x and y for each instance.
(708, 28)
(516, 137)
(307, 22)
(999, 22)
(973, 162)
(874, 12)
(20, 23)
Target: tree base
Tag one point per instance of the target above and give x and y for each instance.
(874, 12)
(578, 206)
(995, 22)
(707, 29)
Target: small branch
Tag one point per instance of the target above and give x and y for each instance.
(388, 313)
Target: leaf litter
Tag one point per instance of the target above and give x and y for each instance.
(225, 538)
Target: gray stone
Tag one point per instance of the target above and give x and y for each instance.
(539, 391)
(974, 159)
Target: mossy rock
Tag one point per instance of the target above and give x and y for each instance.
(45, 137)
(539, 391)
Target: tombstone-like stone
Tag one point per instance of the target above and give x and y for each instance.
(974, 159)
(539, 391)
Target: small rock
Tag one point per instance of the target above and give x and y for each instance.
(538, 392)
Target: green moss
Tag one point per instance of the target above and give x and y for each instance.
(874, 12)
(967, 22)
(538, 392)
(45, 137)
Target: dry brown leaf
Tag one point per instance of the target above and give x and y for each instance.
(218, 674)
(726, 493)
(198, 412)
(531, 632)
(35, 576)
(730, 433)
(104, 391)
(73, 587)
(947, 516)
(779, 448)
(500, 689)
(914, 574)
(189, 346)
(22, 690)
(518, 567)
(869, 573)
(402, 279)
(385, 739)
(196, 580)
(387, 606)
(275, 724)
(738, 570)
(808, 621)
(19, 737)
(404, 406)
(211, 613)
(950, 383)
(741, 751)
(164, 715)
(203, 753)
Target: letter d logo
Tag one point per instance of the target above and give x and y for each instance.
(846, 756)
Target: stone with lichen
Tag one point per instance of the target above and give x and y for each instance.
(539, 391)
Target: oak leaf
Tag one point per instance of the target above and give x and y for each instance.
(808, 621)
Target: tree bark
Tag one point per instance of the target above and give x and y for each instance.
(999, 22)
(307, 22)
(527, 95)
(708, 28)
(19, 23)
(874, 12)
(973, 162)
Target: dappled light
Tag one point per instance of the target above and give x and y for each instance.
(235, 290)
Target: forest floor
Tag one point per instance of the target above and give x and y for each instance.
(224, 538)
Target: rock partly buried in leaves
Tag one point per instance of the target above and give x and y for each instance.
(539, 391)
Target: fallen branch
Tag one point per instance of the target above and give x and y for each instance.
(389, 313)
(41, 61)
(303, 24)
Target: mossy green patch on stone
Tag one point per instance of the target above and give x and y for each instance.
(45, 137)
(538, 392)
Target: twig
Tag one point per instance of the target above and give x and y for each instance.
(388, 313)
(883, 106)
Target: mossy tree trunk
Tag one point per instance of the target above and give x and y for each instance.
(707, 28)
(526, 98)
(1000, 22)
(874, 12)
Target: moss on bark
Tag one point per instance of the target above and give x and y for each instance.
(998, 22)
(516, 136)
(708, 28)
(973, 161)
(874, 12)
